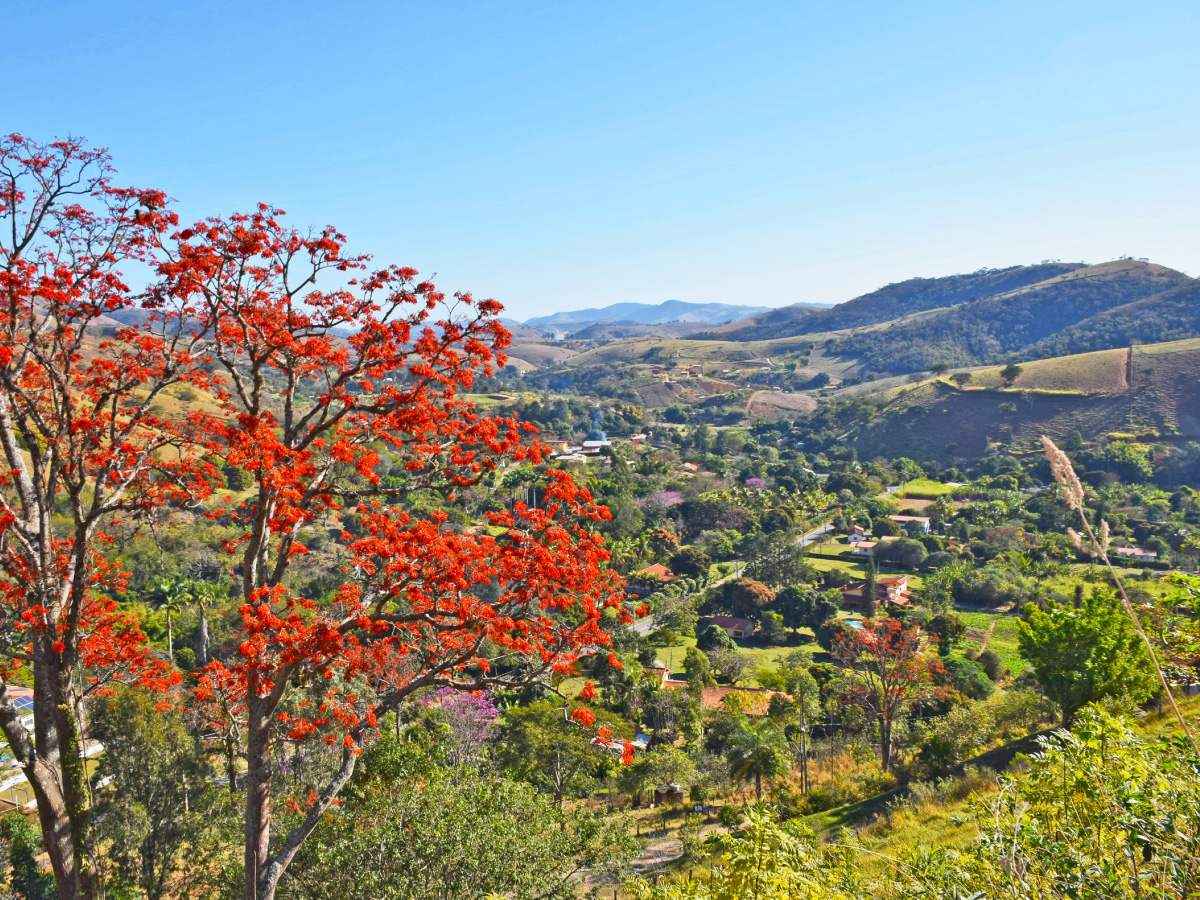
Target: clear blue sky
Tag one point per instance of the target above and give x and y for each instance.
(559, 155)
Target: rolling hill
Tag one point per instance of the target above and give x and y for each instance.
(888, 303)
(1013, 323)
(1146, 391)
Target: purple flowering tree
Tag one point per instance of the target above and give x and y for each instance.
(471, 720)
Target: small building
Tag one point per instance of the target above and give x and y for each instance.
(856, 530)
(853, 538)
(649, 580)
(695, 371)
(558, 446)
(870, 545)
(735, 626)
(908, 523)
(594, 447)
(689, 467)
(1135, 553)
(661, 673)
(890, 591)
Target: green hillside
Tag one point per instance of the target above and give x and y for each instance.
(993, 328)
(1170, 316)
(1147, 391)
(887, 303)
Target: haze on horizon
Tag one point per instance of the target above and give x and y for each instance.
(558, 157)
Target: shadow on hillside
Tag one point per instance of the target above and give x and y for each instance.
(862, 813)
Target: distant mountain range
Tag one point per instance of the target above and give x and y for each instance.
(643, 314)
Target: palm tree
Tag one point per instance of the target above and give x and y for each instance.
(170, 596)
(757, 752)
(205, 595)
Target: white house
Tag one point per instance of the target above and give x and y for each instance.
(908, 522)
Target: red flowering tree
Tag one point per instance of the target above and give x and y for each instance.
(891, 672)
(346, 404)
(340, 406)
(84, 447)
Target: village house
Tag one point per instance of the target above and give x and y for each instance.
(649, 580)
(735, 626)
(908, 523)
(752, 701)
(890, 591)
(1135, 553)
(867, 548)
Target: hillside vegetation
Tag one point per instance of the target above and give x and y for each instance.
(1148, 391)
(992, 328)
(887, 303)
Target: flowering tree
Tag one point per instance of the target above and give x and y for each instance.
(890, 673)
(471, 720)
(339, 405)
(85, 447)
(317, 420)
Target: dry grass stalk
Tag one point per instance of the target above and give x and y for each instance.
(1064, 474)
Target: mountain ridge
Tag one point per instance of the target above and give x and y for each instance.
(645, 314)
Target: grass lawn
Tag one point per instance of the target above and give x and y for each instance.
(923, 489)
(1131, 578)
(764, 657)
(856, 567)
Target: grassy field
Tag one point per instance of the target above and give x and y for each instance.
(766, 658)
(999, 631)
(923, 489)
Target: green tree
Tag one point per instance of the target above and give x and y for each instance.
(1011, 373)
(948, 628)
(171, 596)
(714, 637)
(771, 628)
(1083, 655)
(538, 744)
(903, 554)
(25, 875)
(156, 771)
(870, 589)
(444, 834)
(663, 765)
(756, 753)
(962, 379)
(691, 562)
(697, 669)
(794, 604)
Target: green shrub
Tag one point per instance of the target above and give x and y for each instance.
(992, 663)
(968, 677)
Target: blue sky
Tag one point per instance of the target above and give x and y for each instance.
(563, 155)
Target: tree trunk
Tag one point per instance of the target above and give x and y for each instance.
(203, 638)
(885, 745)
(258, 804)
(170, 640)
(53, 814)
(758, 785)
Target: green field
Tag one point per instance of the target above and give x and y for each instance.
(923, 489)
(1000, 632)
